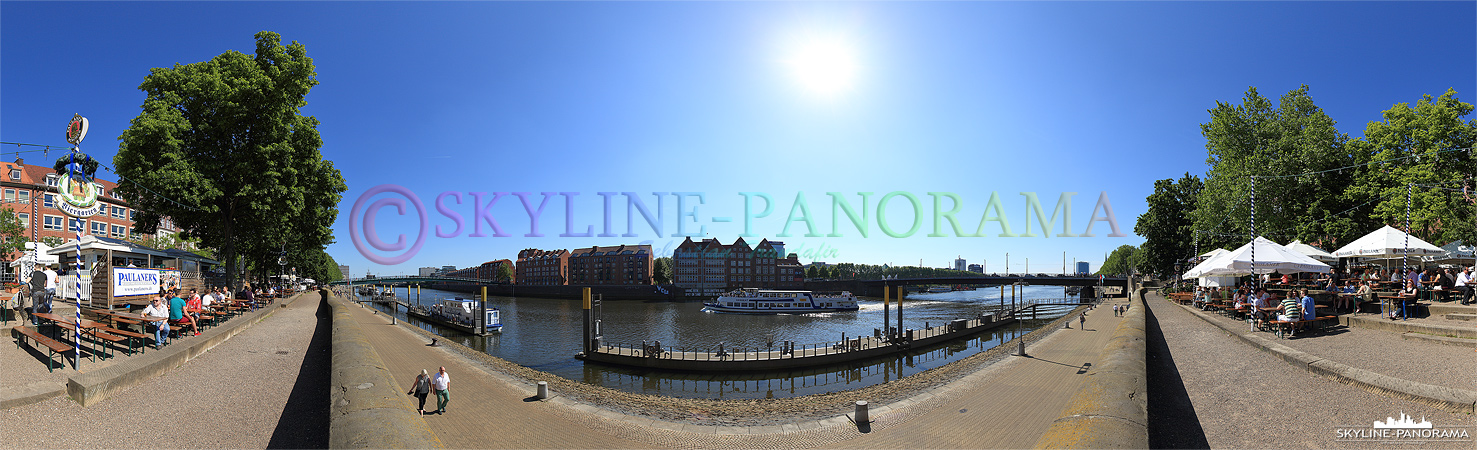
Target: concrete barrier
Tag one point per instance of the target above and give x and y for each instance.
(91, 387)
(368, 410)
(1111, 410)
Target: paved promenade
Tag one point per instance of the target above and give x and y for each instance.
(262, 388)
(1209, 389)
(1008, 404)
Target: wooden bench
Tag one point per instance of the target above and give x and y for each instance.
(97, 333)
(1291, 324)
(131, 337)
(92, 349)
(53, 347)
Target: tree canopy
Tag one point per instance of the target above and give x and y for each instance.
(221, 148)
(1167, 225)
(1315, 184)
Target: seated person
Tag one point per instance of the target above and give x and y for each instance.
(1289, 310)
(1307, 305)
(177, 313)
(156, 308)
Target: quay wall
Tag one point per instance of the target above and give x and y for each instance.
(367, 409)
(710, 363)
(1111, 410)
(573, 292)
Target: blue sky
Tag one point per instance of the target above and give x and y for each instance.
(722, 98)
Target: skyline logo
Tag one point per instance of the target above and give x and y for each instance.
(1405, 430)
(856, 213)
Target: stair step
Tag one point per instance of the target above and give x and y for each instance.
(1461, 317)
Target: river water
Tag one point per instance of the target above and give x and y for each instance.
(544, 334)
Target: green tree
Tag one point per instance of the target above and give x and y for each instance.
(503, 274)
(1121, 261)
(1413, 146)
(225, 154)
(661, 270)
(12, 233)
(1257, 139)
(1167, 227)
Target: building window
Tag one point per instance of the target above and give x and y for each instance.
(49, 201)
(25, 220)
(52, 180)
(25, 196)
(51, 223)
(119, 232)
(74, 226)
(100, 191)
(130, 214)
(10, 195)
(99, 228)
(15, 174)
(117, 212)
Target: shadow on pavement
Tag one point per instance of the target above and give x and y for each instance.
(1172, 419)
(304, 422)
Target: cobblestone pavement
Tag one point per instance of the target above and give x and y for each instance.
(1208, 389)
(1005, 405)
(262, 388)
(1383, 352)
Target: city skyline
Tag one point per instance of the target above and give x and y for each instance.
(701, 110)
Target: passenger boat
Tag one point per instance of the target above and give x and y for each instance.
(458, 313)
(757, 301)
(939, 289)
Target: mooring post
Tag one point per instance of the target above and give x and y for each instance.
(861, 412)
(900, 293)
(886, 315)
(543, 390)
(589, 319)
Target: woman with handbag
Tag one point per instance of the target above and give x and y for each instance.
(420, 390)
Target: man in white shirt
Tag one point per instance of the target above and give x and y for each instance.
(1464, 284)
(440, 382)
(207, 299)
(156, 308)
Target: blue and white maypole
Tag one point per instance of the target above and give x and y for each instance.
(79, 200)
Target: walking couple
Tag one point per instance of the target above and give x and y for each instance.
(425, 383)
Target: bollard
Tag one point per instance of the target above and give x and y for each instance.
(543, 390)
(1021, 351)
(861, 412)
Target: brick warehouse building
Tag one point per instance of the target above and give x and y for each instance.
(708, 268)
(485, 271)
(615, 265)
(31, 191)
(543, 267)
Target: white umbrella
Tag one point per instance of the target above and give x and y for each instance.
(1311, 251)
(1210, 254)
(1456, 252)
(1388, 242)
(1270, 257)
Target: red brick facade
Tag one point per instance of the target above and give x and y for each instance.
(708, 268)
(617, 265)
(543, 268)
(31, 192)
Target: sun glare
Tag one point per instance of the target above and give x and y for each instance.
(825, 67)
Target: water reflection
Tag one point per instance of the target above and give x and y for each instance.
(544, 334)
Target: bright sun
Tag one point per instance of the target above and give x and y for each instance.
(826, 67)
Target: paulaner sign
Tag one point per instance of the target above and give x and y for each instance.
(129, 282)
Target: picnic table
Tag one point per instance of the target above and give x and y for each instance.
(78, 327)
(1389, 303)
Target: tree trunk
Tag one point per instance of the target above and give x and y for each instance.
(229, 253)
